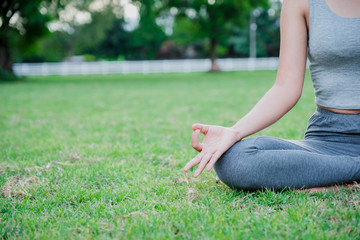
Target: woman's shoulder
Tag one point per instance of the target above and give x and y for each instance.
(297, 6)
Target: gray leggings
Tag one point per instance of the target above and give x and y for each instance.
(330, 154)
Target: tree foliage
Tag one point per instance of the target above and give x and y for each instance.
(147, 38)
(22, 22)
(143, 42)
(194, 28)
(215, 18)
(268, 32)
(116, 43)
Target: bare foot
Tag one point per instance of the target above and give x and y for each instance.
(334, 189)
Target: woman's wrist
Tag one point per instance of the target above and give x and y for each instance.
(239, 133)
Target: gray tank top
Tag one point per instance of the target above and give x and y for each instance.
(334, 54)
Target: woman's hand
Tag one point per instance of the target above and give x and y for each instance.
(217, 140)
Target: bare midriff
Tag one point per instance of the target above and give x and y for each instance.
(342, 111)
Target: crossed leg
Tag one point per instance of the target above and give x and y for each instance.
(267, 162)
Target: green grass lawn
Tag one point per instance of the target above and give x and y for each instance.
(102, 157)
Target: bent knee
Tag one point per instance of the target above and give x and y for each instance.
(237, 167)
(241, 177)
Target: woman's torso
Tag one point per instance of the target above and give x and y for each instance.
(341, 12)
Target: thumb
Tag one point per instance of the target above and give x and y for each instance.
(202, 127)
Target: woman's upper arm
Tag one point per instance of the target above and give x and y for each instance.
(293, 45)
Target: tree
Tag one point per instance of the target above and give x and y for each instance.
(215, 18)
(147, 38)
(185, 35)
(116, 42)
(268, 31)
(51, 48)
(267, 37)
(78, 28)
(87, 37)
(22, 22)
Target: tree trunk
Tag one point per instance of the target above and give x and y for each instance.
(213, 45)
(5, 57)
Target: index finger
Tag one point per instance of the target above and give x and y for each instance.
(201, 127)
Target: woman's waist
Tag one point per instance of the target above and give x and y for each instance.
(327, 125)
(341, 111)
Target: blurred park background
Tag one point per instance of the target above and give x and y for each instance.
(101, 156)
(126, 30)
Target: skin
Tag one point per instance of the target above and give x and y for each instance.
(283, 95)
(345, 8)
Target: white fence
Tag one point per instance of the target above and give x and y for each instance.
(157, 66)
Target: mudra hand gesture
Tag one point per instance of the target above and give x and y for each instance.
(217, 140)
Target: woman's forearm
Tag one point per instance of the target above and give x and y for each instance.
(271, 107)
(290, 77)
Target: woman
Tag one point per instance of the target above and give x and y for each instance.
(329, 30)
